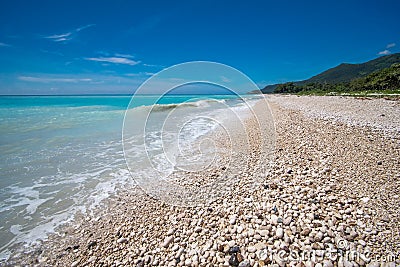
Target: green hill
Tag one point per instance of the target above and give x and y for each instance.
(345, 72)
(385, 81)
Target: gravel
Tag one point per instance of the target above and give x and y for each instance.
(331, 185)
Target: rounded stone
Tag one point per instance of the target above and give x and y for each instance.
(279, 232)
(233, 261)
(251, 249)
(244, 263)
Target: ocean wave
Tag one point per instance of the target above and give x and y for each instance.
(35, 225)
(196, 104)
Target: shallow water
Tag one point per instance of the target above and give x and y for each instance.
(63, 154)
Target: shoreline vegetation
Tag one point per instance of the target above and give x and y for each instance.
(331, 197)
(376, 78)
(385, 81)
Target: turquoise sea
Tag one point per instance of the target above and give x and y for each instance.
(63, 154)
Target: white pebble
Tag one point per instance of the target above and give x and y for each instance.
(279, 232)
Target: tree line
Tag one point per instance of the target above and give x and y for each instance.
(387, 79)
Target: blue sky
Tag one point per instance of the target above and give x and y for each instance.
(89, 47)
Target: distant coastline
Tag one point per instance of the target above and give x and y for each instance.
(347, 78)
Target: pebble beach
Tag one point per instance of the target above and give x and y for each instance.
(328, 195)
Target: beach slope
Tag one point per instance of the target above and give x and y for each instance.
(330, 194)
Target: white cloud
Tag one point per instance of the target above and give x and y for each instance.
(139, 74)
(153, 65)
(123, 55)
(4, 45)
(68, 35)
(387, 51)
(84, 27)
(384, 52)
(51, 79)
(391, 45)
(60, 37)
(225, 79)
(115, 60)
(67, 83)
(57, 36)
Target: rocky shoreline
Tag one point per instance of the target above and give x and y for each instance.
(330, 197)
